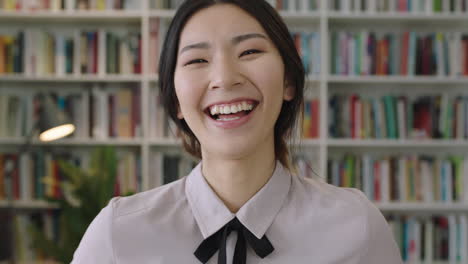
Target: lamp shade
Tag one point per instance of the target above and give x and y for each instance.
(53, 122)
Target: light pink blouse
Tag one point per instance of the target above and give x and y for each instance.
(306, 221)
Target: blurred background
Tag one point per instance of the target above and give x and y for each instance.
(386, 111)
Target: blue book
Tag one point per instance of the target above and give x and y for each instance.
(305, 50)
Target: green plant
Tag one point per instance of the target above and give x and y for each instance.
(85, 193)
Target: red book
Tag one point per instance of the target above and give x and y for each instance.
(465, 46)
(137, 65)
(422, 120)
(404, 54)
(297, 42)
(402, 6)
(117, 187)
(378, 57)
(386, 50)
(57, 192)
(315, 118)
(279, 4)
(377, 181)
(427, 56)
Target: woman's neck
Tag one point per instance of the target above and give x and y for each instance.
(235, 181)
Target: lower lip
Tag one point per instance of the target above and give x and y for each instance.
(233, 123)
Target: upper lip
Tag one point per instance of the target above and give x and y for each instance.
(230, 102)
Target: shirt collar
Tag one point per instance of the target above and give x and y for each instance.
(256, 215)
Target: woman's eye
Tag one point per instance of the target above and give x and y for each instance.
(248, 52)
(195, 61)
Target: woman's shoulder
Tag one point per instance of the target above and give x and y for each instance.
(317, 192)
(157, 198)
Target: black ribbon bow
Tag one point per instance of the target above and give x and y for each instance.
(209, 246)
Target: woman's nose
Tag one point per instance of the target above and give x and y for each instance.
(225, 73)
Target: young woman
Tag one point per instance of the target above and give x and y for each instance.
(233, 81)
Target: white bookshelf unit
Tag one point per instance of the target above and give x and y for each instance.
(322, 86)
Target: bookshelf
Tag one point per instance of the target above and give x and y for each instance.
(322, 85)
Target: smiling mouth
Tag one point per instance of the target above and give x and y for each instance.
(231, 116)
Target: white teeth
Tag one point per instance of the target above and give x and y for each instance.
(228, 118)
(230, 109)
(244, 105)
(214, 110)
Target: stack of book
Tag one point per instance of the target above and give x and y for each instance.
(56, 5)
(436, 239)
(308, 46)
(389, 53)
(295, 5)
(105, 112)
(403, 178)
(54, 52)
(311, 121)
(37, 175)
(440, 116)
(402, 6)
(48, 221)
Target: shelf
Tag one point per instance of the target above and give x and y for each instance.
(309, 78)
(398, 143)
(397, 80)
(308, 17)
(395, 17)
(421, 207)
(161, 13)
(71, 78)
(153, 78)
(34, 204)
(170, 142)
(413, 207)
(165, 142)
(306, 142)
(71, 16)
(74, 142)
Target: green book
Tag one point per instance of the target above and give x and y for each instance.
(334, 54)
(457, 162)
(390, 116)
(448, 121)
(437, 5)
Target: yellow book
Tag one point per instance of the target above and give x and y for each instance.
(2, 55)
(101, 5)
(124, 113)
(8, 47)
(2, 178)
(10, 4)
(50, 54)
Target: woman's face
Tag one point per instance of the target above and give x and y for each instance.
(229, 81)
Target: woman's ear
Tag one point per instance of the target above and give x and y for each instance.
(289, 92)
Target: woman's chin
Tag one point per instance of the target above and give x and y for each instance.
(231, 151)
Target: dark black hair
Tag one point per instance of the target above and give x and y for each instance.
(277, 31)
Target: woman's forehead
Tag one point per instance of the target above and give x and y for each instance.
(224, 21)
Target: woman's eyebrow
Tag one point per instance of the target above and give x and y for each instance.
(235, 40)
